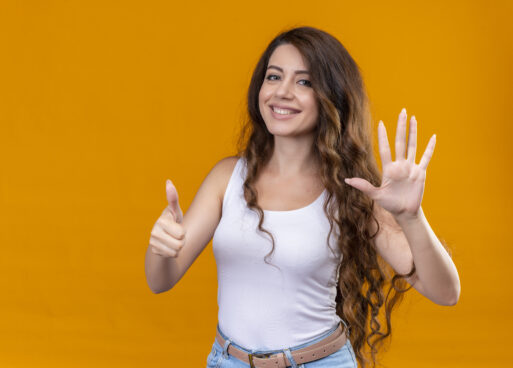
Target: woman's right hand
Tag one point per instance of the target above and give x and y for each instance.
(168, 235)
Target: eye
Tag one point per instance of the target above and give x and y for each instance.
(308, 83)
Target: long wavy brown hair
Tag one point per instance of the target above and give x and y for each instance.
(343, 145)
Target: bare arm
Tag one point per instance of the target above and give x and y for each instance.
(198, 227)
(401, 242)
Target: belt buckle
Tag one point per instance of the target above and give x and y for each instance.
(251, 355)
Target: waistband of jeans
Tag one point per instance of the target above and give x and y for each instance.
(297, 347)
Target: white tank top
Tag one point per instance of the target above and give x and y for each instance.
(261, 307)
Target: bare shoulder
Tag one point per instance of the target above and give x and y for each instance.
(223, 171)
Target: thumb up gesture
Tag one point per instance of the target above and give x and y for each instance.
(168, 235)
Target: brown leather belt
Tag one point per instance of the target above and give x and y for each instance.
(320, 349)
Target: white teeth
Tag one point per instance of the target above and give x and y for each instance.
(282, 111)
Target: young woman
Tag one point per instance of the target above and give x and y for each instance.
(305, 192)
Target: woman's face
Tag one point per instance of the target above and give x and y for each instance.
(287, 85)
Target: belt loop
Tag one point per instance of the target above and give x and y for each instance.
(225, 348)
(289, 356)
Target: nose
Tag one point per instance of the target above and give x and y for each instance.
(284, 89)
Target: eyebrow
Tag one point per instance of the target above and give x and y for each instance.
(281, 70)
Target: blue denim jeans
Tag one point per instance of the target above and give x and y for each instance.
(342, 358)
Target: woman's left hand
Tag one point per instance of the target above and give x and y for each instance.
(403, 181)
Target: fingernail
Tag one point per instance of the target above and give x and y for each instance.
(403, 111)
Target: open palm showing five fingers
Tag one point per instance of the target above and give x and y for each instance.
(402, 186)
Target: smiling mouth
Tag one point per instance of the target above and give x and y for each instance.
(283, 112)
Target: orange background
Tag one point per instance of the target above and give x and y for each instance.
(101, 102)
